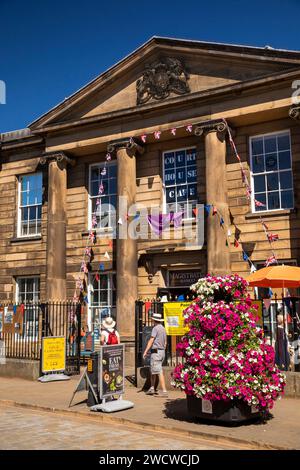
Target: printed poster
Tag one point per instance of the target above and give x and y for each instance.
(173, 316)
(112, 375)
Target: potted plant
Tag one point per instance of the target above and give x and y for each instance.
(228, 373)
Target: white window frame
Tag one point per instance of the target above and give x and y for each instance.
(109, 305)
(163, 175)
(253, 207)
(110, 227)
(19, 212)
(18, 301)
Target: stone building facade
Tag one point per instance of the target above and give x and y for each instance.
(50, 173)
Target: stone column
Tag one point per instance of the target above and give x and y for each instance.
(218, 254)
(126, 255)
(56, 225)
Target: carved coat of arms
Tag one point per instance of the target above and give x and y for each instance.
(162, 78)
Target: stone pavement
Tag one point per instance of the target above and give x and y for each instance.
(160, 414)
(47, 431)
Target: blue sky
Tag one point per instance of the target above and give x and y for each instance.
(51, 48)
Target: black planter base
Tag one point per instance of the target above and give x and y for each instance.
(233, 411)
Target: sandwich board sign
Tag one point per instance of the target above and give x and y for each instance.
(53, 358)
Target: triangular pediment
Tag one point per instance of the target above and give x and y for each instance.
(205, 66)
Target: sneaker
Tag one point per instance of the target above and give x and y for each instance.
(150, 391)
(162, 394)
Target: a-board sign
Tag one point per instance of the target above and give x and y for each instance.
(146, 335)
(174, 320)
(53, 354)
(111, 377)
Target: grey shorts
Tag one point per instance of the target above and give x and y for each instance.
(156, 361)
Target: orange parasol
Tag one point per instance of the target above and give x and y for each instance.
(276, 276)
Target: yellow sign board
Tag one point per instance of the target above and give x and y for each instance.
(173, 316)
(53, 354)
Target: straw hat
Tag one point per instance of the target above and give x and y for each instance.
(108, 323)
(157, 317)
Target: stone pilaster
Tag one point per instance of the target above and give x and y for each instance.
(218, 254)
(56, 224)
(126, 255)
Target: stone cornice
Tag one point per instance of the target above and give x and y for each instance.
(132, 145)
(60, 157)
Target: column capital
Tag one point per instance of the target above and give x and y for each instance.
(294, 112)
(128, 143)
(59, 157)
(205, 127)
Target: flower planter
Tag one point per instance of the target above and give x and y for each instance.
(232, 411)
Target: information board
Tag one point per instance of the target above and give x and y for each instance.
(53, 354)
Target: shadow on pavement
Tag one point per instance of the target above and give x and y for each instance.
(177, 409)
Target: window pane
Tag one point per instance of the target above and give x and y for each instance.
(284, 160)
(287, 199)
(169, 177)
(113, 186)
(182, 193)
(180, 158)
(273, 200)
(191, 157)
(286, 180)
(257, 146)
(112, 171)
(170, 194)
(169, 160)
(94, 173)
(191, 175)
(259, 183)
(180, 176)
(271, 162)
(94, 188)
(24, 198)
(270, 144)
(258, 164)
(261, 198)
(283, 142)
(192, 191)
(272, 181)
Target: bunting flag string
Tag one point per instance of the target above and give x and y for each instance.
(85, 266)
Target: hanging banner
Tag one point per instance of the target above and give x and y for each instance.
(112, 371)
(53, 354)
(173, 316)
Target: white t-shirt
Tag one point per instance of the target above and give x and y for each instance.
(105, 334)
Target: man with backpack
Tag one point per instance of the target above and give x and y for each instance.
(109, 334)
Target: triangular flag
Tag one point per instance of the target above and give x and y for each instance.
(207, 207)
(189, 128)
(267, 303)
(270, 292)
(221, 221)
(236, 243)
(144, 138)
(110, 243)
(245, 256)
(214, 210)
(229, 233)
(253, 268)
(106, 255)
(226, 242)
(101, 267)
(157, 135)
(108, 157)
(195, 211)
(173, 131)
(97, 277)
(120, 222)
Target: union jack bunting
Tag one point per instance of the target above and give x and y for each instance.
(272, 237)
(157, 135)
(271, 260)
(144, 138)
(258, 203)
(189, 128)
(92, 237)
